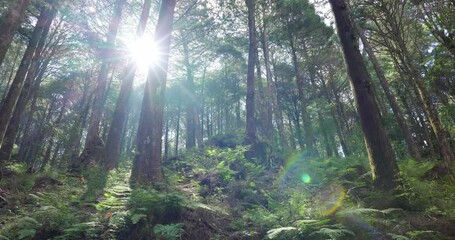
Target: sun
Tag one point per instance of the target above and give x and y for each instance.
(143, 52)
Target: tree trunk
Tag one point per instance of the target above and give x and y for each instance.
(412, 147)
(11, 73)
(147, 162)
(10, 22)
(250, 108)
(166, 139)
(94, 144)
(307, 128)
(382, 159)
(190, 99)
(273, 108)
(112, 149)
(177, 126)
(9, 103)
(29, 89)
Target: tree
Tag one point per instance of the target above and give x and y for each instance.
(380, 153)
(30, 88)
(398, 113)
(114, 137)
(147, 162)
(252, 55)
(94, 144)
(394, 28)
(10, 101)
(9, 24)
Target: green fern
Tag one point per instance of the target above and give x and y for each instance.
(360, 211)
(85, 230)
(334, 233)
(397, 237)
(276, 232)
(169, 232)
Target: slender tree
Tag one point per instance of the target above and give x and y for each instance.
(114, 137)
(252, 49)
(398, 113)
(94, 144)
(380, 153)
(9, 24)
(147, 162)
(31, 86)
(9, 103)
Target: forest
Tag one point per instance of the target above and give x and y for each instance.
(227, 119)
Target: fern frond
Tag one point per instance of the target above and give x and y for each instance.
(273, 233)
(333, 233)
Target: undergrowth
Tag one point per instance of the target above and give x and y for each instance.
(221, 194)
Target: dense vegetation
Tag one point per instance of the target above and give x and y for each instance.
(212, 119)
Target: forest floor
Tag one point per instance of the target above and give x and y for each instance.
(227, 198)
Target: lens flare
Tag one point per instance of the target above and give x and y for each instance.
(305, 178)
(331, 199)
(292, 167)
(144, 52)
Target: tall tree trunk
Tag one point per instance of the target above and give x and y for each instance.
(11, 73)
(190, 98)
(10, 101)
(94, 144)
(325, 136)
(28, 90)
(147, 162)
(337, 121)
(10, 22)
(307, 128)
(412, 147)
(177, 127)
(393, 28)
(112, 149)
(250, 108)
(166, 139)
(382, 159)
(273, 109)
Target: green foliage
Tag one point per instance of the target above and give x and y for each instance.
(225, 171)
(260, 215)
(85, 230)
(276, 232)
(54, 219)
(96, 182)
(154, 207)
(334, 233)
(397, 237)
(299, 203)
(20, 180)
(169, 232)
(22, 228)
(433, 196)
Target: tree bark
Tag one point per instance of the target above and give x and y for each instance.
(307, 128)
(9, 103)
(9, 24)
(382, 159)
(250, 108)
(190, 99)
(29, 89)
(147, 162)
(399, 117)
(112, 149)
(94, 144)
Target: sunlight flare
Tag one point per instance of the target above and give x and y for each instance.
(144, 52)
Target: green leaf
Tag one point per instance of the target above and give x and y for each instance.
(138, 217)
(26, 233)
